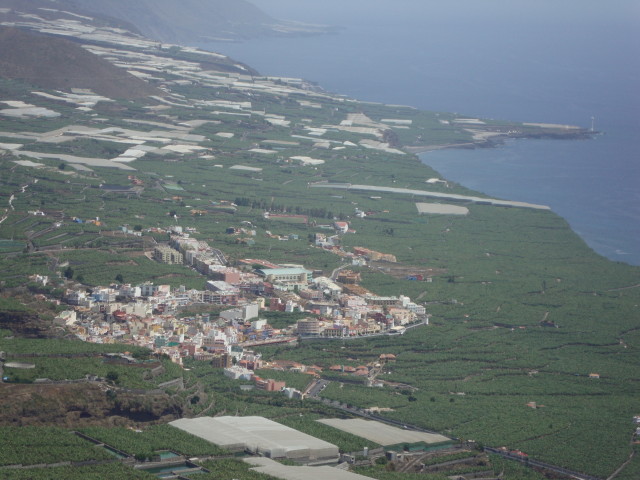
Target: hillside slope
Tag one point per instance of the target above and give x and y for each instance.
(197, 20)
(60, 64)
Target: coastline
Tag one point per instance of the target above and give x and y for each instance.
(485, 139)
(418, 149)
(567, 176)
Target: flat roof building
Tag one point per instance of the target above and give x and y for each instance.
(258, 435)
(287, 472)
(289, 278)
(382, 433)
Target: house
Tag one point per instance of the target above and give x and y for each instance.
(238, 373)
(349, 277)
(341, 227)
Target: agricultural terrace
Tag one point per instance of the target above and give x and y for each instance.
(522, 311)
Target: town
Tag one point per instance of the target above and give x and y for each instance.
(149, 315)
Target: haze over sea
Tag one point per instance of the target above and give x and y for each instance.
(553, 61)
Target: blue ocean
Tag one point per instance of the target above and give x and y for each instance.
(569, 61)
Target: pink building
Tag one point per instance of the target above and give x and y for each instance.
(269, 384)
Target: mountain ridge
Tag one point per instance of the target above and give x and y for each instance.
(198, 20)
(57, 63)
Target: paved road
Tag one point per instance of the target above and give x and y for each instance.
(317, 387)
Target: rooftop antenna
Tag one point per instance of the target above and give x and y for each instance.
(593, 123)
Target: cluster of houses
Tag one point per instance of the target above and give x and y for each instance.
(148, 315)
(245, 370)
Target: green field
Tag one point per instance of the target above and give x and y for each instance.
(522, 309)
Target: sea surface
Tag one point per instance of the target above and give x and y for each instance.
(555, 61)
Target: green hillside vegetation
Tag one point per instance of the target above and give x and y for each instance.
(522, 310)
(112, 471)
(143, 444)
(38, 445)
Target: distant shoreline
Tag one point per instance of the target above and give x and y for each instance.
(417, 149)
(497, 140)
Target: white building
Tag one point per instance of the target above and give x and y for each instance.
(259, 435)
(238, 373)
(328, 286)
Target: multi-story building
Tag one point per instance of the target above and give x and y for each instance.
(106, 295)
(244, 313)
(308, 326)
(401, 316)
(129, 291)
(225, 274)
(348, 277)
(220, 293)
(287, 278)
(382, 301)
(222, 361)
(269, 384)
(167, 255)
(328, 286)
(308, 294)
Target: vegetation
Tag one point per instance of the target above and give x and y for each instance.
(144, 444)
(38, 445)
(522, 310)
(386, 473)
(112, 471)
(46, 347)
(54, 368)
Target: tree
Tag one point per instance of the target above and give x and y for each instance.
(68, 273)
(119, 278)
